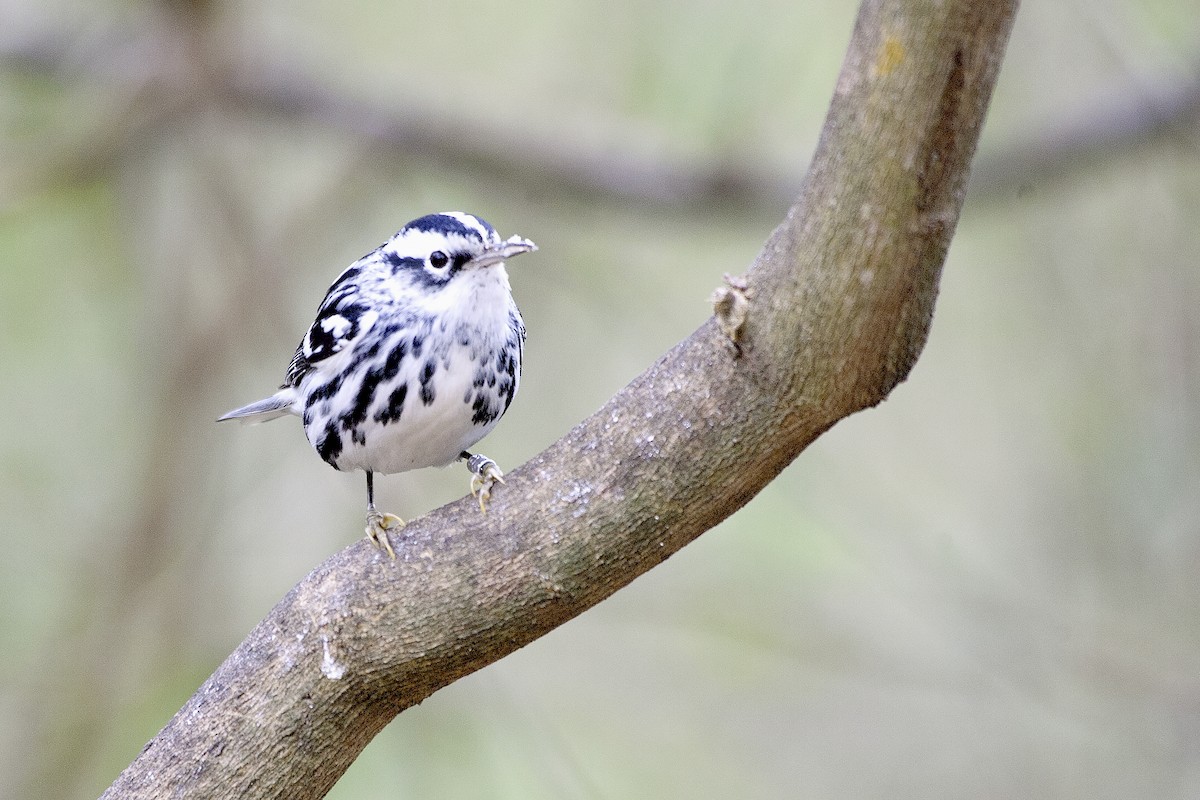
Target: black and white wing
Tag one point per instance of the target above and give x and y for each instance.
(343, 317)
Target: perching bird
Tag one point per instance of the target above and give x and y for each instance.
(414, 356)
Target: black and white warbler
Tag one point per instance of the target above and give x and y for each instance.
(414, 356)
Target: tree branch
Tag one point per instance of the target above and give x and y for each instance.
(834, 313)
(1112, 125)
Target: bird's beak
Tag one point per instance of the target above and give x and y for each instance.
(512, 246)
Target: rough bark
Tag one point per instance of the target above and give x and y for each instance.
(834, 313)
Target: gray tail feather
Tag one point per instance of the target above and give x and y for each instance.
(277, 405)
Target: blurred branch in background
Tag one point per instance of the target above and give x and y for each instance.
(516, 153)
(1111, 125)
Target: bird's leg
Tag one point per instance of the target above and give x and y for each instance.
(485, 474)
(377, 523)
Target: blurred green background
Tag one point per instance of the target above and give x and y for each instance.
(986, 587)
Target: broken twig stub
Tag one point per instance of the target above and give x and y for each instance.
(731, 307)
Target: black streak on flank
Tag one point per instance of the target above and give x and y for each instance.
(427, 393)
(362, 401)
(323, 392)
(485, 412)
(329, 446)
(508, 390)
(508, 387)
(392, 366)
(395, 405)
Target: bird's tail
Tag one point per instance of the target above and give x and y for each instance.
(277, 405)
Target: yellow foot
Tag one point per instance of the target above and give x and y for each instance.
(377, 527)
(485, 474)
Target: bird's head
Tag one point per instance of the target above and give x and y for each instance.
(434, 249)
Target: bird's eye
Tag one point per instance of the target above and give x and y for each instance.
(438, 259)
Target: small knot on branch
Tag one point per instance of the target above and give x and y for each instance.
(731, 307)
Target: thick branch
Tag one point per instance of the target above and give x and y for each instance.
(840, 302)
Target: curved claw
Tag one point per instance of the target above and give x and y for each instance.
(485, 474)
(378, 525)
